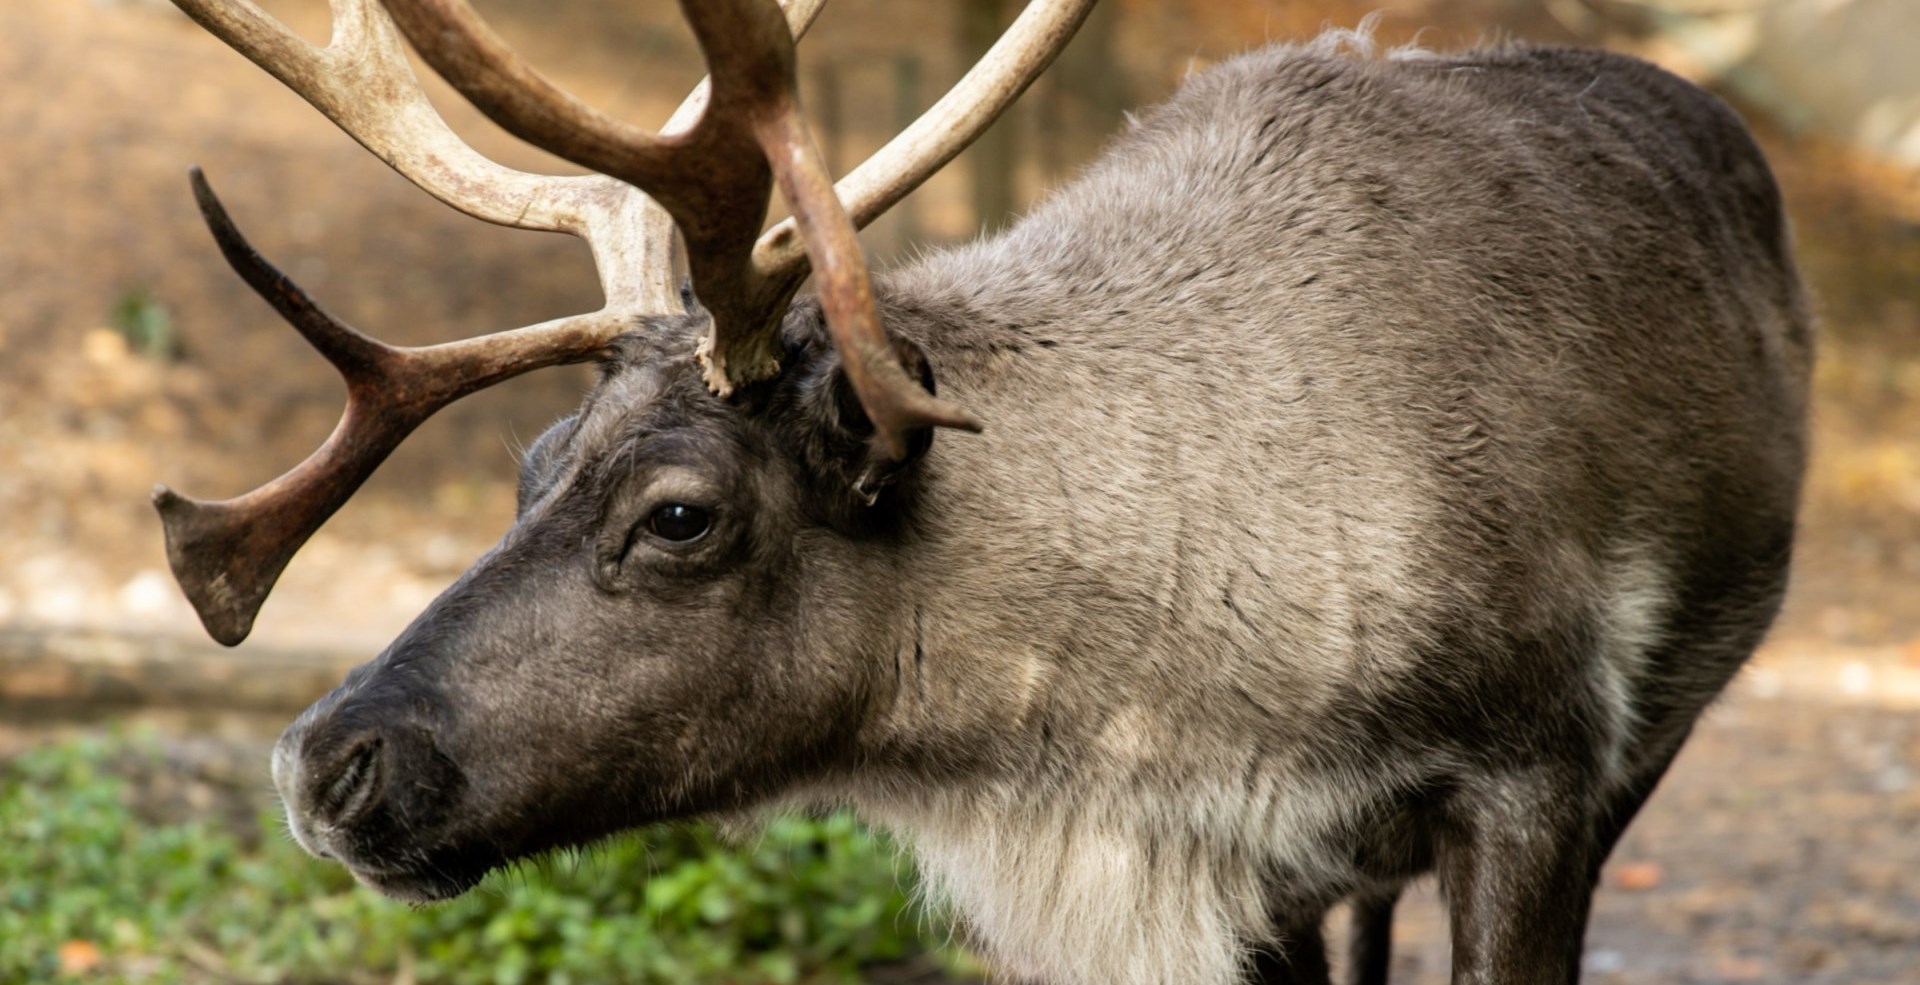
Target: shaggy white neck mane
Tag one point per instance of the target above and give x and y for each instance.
(1123, 883)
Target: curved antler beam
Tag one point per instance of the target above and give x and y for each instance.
(228, 554)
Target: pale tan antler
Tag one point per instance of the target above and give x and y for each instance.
(710, 168)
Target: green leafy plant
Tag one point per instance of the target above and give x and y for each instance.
(91, 892)
(147, 325)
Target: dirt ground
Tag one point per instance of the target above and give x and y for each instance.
(1785, 846)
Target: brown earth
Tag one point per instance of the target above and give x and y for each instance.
(1784, 848)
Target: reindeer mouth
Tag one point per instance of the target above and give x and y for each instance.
(418, 876)
(425, 884)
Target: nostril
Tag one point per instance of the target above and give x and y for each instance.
(354, 783)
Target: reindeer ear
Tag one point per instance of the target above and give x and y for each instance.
(841, 445)
(876, 468)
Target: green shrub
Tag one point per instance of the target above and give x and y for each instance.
(147, 325)
(85, 882)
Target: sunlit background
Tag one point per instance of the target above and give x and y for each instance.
(1784, 847)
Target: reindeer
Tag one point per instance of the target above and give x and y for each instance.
(1382, 459)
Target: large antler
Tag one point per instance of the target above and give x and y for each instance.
(709, 170)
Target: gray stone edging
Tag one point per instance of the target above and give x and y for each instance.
(65, 670)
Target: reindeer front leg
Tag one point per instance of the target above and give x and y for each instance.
(1513, 866)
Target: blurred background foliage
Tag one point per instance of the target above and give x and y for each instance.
(129, 354)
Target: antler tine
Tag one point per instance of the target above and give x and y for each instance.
(345, 347)
(895, 402)
(228, 554)
(1029, 45)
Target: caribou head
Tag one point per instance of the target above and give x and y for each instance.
(670, 627)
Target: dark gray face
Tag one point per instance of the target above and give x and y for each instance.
(686, 617)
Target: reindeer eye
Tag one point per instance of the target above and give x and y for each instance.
(679, 522)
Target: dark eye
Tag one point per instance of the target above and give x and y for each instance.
(679, 522)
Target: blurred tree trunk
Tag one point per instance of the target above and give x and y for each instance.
(993, 157)
(906, 109)
(831, 123)
(1079, 103)
(1092, 83)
